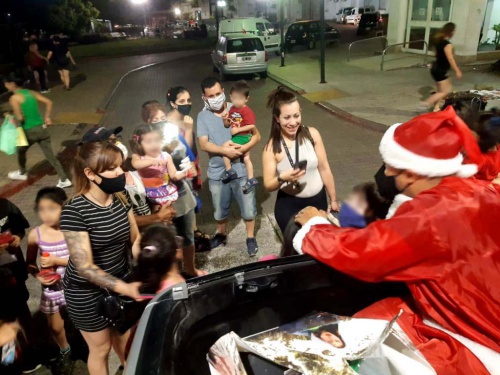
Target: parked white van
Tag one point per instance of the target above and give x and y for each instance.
(343, 13)
(355, 15)
(257, 26)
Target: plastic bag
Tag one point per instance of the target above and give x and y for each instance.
(8, 136)
(21, 138)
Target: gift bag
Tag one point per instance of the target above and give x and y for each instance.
(8, 136)
(21, 138)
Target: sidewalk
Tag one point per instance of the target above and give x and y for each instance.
(361, 89)
(77, 110)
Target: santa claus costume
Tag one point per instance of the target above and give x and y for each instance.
(444, 244)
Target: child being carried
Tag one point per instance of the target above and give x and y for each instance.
(241, 120)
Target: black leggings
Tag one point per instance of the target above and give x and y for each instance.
(287, 206)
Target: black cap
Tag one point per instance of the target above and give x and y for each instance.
(100, 134)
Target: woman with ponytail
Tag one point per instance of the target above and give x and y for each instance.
(439, 71)
(295, 162)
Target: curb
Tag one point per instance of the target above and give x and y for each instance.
(336, 111)
(12, 188)
(105, 104)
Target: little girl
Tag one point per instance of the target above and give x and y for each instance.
(48, 240)
(157, 266)
(156, 167)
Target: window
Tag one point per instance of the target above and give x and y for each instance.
(244, 45)
(314, 26)
(270, 29)
(441, 10)
(419, 10)
(260, 29)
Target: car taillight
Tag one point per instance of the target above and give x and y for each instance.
(267, 56)
(224, 59)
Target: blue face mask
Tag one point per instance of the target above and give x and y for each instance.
(350, 218)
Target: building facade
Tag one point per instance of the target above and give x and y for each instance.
(415, 21)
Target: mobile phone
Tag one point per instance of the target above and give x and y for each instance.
(302, 165)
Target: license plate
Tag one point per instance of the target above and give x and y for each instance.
(293, 41)
(246, 58)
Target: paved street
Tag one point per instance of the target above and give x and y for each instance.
(352, 152)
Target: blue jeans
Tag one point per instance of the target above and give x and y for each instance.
(223, 194)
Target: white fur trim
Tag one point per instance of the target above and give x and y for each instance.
(398, 157)
(301, 234)
(398, 201)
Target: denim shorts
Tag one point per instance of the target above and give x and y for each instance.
(184, 226)
(223, 194)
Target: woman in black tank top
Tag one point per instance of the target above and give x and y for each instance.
(439, 71)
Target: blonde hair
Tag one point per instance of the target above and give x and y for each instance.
(97, 156)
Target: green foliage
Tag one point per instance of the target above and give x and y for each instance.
(496, 28)
(71, 16)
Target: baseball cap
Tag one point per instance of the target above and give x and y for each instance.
(100, 134)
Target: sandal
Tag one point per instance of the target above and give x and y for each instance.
(229, 176)
(198, 233)
(249, 185)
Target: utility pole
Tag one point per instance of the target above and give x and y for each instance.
(217, 18)
(322, 38)
(282, 31)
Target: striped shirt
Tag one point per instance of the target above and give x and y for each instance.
(109, 232)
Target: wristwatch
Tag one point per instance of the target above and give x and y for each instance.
(280, 180)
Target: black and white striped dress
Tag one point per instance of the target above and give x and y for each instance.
(109, 232)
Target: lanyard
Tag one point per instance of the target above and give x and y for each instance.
(293, 165)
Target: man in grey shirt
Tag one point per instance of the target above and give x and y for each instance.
(212, 134)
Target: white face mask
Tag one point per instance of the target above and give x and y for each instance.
(215, 104)
(122, 147)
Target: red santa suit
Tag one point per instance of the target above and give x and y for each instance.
(444, 244)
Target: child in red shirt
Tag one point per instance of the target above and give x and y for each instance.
(241, 120)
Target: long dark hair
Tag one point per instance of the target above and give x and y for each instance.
(278, 97)
(445, 32)
(157, 256)
(173, 93)
(55, 194)
(135, 141)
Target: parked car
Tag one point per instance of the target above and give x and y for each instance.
(355, 15)
(370, 21)
(343, 13)
(240, 54)
(260, 27)
(307, 33)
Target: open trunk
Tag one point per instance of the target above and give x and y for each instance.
(180, 325)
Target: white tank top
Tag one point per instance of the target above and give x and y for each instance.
(309, 185)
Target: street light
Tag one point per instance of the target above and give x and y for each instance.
(141, 2)
(220, 4)
(177, 11)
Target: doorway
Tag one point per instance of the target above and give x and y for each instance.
(425, 17)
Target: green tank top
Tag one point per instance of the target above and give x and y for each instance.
(29, 108)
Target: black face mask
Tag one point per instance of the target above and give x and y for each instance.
(112, 185)
(185, 109)
(386, 184)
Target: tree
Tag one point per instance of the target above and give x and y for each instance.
(71, 16)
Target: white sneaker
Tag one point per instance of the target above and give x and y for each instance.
(64, 184)
(45, 91)
(17, 175)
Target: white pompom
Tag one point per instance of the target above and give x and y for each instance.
(467, 170)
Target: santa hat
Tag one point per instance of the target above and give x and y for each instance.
(431, 145)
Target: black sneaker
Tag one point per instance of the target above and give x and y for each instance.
(30, 366)
(63, 365)
(252, 246)
(217, 240)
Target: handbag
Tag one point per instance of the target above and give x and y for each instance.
(8, 136)
(22, 141)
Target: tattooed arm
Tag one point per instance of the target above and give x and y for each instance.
(81, 256)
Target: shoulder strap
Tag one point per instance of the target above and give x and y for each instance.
(38, 235)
